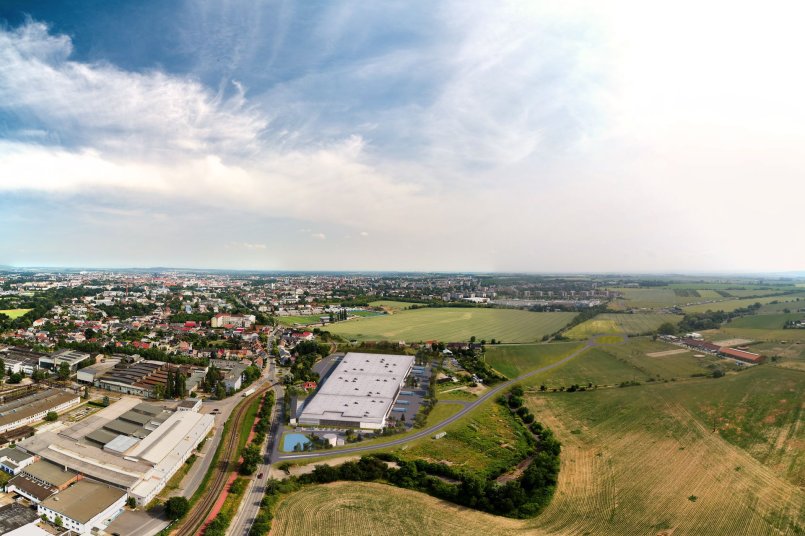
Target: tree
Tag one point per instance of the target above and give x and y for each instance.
(63, 372)
(169, 386)
(51, 416)
(15, 377)
(105, 401)
(39, 375)
(131, 502)
(176, 507)
(666, 328)
(58, 521)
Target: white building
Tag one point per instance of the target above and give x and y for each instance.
(12, 461)
(190, 404)
(34, 408)
(359, 392)
(84, 506)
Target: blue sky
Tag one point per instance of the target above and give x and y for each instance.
(516, 136)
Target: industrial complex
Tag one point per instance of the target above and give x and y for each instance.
(35, 407)
(359, 392)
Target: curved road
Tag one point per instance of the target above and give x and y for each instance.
(468, 408)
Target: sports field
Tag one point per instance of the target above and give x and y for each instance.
(14, 313)
(630, 324)
(454, 325)
(635, 461)
(511, 360)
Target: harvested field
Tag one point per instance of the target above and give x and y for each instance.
(732, 342)
(629, 324)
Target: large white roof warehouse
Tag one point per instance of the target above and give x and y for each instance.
(360, 391)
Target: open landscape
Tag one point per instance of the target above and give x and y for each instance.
(454, 324)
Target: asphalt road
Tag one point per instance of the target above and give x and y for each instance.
(428, 431)
(250, 504)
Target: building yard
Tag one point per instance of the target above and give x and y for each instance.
(635, 461)
(629, 324)
(454, 324)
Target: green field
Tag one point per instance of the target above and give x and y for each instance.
(393, 306)
(304, 320)
(731, 305)
(770, 321)
(630, 324)
(14, 313)
(511, 360)
(454, 325)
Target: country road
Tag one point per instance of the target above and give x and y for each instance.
(431, 429)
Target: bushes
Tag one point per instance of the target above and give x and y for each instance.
(176, 507)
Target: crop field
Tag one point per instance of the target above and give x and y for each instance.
(511, 360)
(368, 509)
(454, 325)
(393, 306)
(650, 298)
(731, 305)
(795, 305)
(630, 324)
(635, 461)
(14, 313)
(777, 335)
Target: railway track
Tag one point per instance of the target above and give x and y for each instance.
(191, 524)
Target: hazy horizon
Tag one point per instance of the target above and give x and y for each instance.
(491, 137)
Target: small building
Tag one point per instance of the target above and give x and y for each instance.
(12, 461)
(189, 404)
(84, 506)
(41, 480)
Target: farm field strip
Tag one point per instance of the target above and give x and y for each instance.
(731, 305)
(454, 325)
(630, 324)
(512, 360)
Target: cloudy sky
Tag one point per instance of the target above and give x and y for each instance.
(512, 136)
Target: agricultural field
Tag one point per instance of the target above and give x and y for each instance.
(609, 365)
(635, 461)
(731, 305)
(393, 306)
(630, 324)
(768, 321)
(450, 324)
(368, 509)
(14, 313)
(511, 360)
(775, 335)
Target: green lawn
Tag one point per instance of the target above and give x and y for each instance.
(14, 313)
(511, 360)
(630, 324)
(306, 320)
(454, 325)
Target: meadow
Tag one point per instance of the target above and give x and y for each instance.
(630, 324)
(764, 321)
(449, 324)
(393, 306)
(512, 360)
(14, 313)
(303, 319)
(635, 461)
(731, 305)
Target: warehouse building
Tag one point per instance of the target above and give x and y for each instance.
(741, 355)
(12, 461)
(84, 506)
(33, 408)
(360, 392)
(71, 357)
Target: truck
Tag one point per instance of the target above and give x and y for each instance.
(247, 392)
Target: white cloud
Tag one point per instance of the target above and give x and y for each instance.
(319, 236)
(248, 245)
(364, 233)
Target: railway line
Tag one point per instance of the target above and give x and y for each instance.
(192, 523)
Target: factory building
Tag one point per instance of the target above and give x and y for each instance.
(34, 407)
(360, 392)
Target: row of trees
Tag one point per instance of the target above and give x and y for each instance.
(251, 453)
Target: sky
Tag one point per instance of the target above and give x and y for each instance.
(530, 136)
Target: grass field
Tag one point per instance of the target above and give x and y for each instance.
(730, 332)
(630, 324)
(14, 313)
(454, 325)
(304, 319)
(393, 306)
(770, 321)
(636, 461)
(511, 360)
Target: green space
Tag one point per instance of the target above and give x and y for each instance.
(304, 320)
(14, 313)
(454, 324)
(394, 306)
(731, 305)
(764, 321)
(630, 324)
(512, 360)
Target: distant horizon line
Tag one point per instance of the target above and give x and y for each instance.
(700, 273)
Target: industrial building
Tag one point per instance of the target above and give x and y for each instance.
(18, 359)
(71, 357)
(134, 447)
(139, 378)
(34, 407)
(359, 392)
(741, 355)
(84, 506)
(12, 461)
